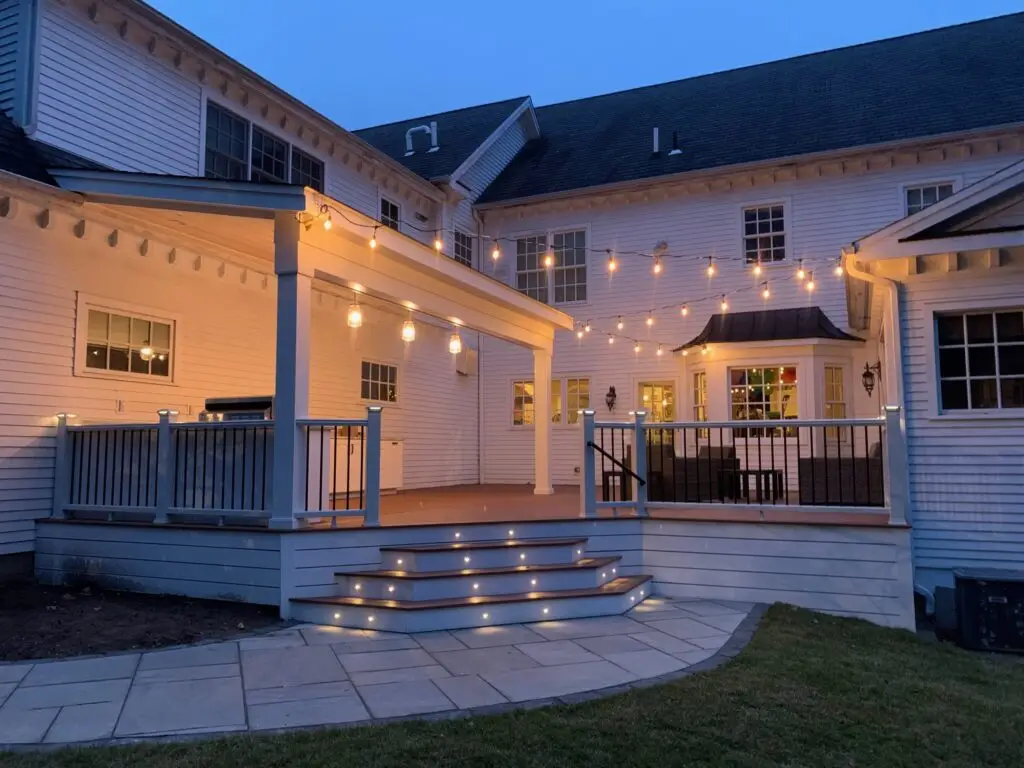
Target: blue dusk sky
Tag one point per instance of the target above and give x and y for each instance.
(363, 63)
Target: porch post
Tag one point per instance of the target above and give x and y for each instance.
(62, 468)
(542, 422)
(640, 441)
(588, 489)
(291, 395)
(897, 471)
(165, 479)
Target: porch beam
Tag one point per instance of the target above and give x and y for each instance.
(542, 422)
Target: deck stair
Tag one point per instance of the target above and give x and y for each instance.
(453, 585)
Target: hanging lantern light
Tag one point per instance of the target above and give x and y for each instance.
(355, 316)
(408, 331)
(455, 343)
(800, 273)
(495, 252)
(373, 239)
(612, 263)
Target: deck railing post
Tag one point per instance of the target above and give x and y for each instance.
(371, 515)
(640, 450)
(896, 479)
(588, 483)
(62, 468)
(164, 471)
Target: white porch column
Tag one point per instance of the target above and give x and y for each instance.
(542, 422)
(291, 395)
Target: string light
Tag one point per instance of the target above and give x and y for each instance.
(549, 259)
(657, 265)
(684, 310)
(495, 252)
(660, 351)
(810, 281)
(686, 352)
(764, 291)
(800, 274)
(725, 304)
(587, 327)
(355, 316)
(839, 268)
(408, 334)
(612, 263)
(636, 347)
(620, 325)
(455, 346)
(611, 339)
(649, 320)
(373, 239)
(328, 223)
(579, 333)
(438, 245)
(711, 266)
(757, 268)
(704, 349)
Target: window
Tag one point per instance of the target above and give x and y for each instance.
(659, 402)
(700, 396)
(379, 382)
(981, 360)
(390, 214)
(835, 400)
(127, 344)
(568, 274)
(577, 396)
(237, 150)
(763, 394)
(920, 197)
(764, 233)
(463, 250)
(522, 403)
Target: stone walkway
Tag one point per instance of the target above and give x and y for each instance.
(314, 675)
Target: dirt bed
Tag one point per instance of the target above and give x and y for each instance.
(38, 622)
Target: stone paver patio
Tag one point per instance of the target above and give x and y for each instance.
(315, 675)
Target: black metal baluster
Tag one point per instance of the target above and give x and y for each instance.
(348, 467)
(234, 450)
(672, 464)
(309, 432)
(881, 457)
(746, 461)
(362, 469)
(686, 479)
(799, 480)
(331, 499)
(824, 446)
(266, 473)
(604, 468)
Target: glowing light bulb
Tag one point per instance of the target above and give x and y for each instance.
(370, 619)
(487, 615)
(612, 263)
(522, 555)
(533, 582)
(724, 305)
(549, 260)
(587, 327)
(810, 281)
(373, 239)
(545, 611)
(147, 353)
(408, 334)
(328, 223)
(636, 347)
(458, 535)
(391, 587)
(620, 325)
(495, 252)
(438, 245)
(757, 269)
(355, 316)
(660, 351)
(686, 352)
(465, 559)
(649, 320)
(657, 265)
(611, 339)
(476, 586)
(684, 310)
(579, 333)
(704, 349)
(800, 274)
(399, 561)
(711, 268)
(455, 343)
(358, 587)
(765, 292)
(838, 270)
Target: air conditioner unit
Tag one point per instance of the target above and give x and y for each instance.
(258, 408)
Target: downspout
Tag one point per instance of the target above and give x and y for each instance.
(894, 351)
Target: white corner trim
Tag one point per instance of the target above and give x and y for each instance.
(491, 140)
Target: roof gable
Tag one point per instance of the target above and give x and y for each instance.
(459, 133)
(949, 80)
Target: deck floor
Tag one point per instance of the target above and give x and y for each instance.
(477, 504)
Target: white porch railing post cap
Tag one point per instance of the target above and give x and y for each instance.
(891, 408)
(374, 409)
(166, 412)
(588, 411)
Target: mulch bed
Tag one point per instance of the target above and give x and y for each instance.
(38, 622)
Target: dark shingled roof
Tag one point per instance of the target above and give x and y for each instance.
(768, 325)
(459, 133)
(947, 80)
(18, 154)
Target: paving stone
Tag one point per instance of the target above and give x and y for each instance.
(694, 657)
(480, 660)
(573, 628)
(84, 722)
(218, 653)
(14, 673)
(663, 642)
(737, 605)
(290, 666)
(373, 646)
(488, 637)
(6, 689)
(685, 629)
(25, 726)
(157, 708)
(726, 622)
(712, 642)
(67, 694)
(400, 699)
(707, 608)
(82, 670)
(546, 682)
(374, 661)
(432, 672)
(439, 641)
(557, 652)
(612, 644)
(674, 613)
(187, 673)
(299, 693)
(648, 663)
(277, 640)
(469, 691)
(290, 714)
(318, 635)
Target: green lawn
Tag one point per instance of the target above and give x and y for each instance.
(808, 691)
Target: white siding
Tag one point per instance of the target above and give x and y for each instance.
(966, 475)
(12, 49)
(100, 98)
(822, 215)
(225, 347)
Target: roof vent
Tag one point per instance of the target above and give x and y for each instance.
(430, 129)
(675, 144)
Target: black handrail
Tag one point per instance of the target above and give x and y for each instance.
(616, 462)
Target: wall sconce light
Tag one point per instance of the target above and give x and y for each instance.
(610, 398)
(869, 375)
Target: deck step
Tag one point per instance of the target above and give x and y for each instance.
(450, 556)
(473, 582)
(613, 597)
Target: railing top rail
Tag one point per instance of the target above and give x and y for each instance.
(113, 426)
(769, 423)
(242, 424)
(332, 422)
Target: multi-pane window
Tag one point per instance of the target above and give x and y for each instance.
(556, 401)
(764, 233)
(921, 196)
(239, 151)
(390, 214)
(981, 360)
(763, 394)
(659, 402)
(379, 382)
(227, 144)
(835, 400)
(577, 396)
(462, 251)
(700, 396)
(531, 274)
(522, 403)
(128, 344)
(570, 269)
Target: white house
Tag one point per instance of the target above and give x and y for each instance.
(509, 282)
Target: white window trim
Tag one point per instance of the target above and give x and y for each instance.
(563, 386)
(511, 252)
(787, 219)
(398, 381)
(564, 379)
(801, 401)
(931, 341)
(511, 393)
(956, 179)
(655, 380)
(84, 302)
(844, 370)
(472, 246)
(380, 211)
